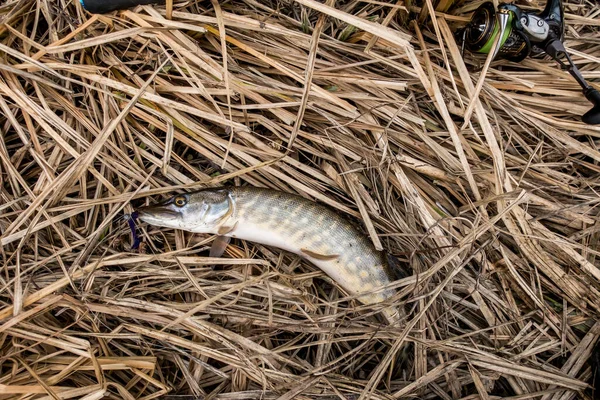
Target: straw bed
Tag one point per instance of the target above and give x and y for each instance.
(486, 190)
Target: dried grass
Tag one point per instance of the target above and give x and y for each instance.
(486, 188)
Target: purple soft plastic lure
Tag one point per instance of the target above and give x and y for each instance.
(131, 221)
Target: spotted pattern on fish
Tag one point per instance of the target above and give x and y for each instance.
(290, 222)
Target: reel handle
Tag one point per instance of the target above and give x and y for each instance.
(556, 50)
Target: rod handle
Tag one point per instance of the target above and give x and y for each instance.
(103, 6)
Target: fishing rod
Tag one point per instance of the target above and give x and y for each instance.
(524, 34)
(104, 6)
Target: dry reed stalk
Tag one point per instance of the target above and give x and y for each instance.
(483, 183)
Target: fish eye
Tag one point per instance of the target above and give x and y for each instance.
(180, 201)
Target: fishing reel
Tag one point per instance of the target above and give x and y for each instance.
(523, 34)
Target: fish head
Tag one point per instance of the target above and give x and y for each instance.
(201, 212)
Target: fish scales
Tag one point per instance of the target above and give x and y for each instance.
(290, 222)
(302, 224)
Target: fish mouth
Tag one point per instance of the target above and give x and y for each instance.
(152, 214)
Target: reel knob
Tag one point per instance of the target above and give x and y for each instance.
(592, 117)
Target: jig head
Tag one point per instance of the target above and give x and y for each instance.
(134, 236)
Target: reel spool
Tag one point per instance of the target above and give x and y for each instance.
(483, 29)
(524, 34)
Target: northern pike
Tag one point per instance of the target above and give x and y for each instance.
(289, 222)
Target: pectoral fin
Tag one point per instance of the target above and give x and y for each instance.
(218, 246)
(225, 229)
(318, 256)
